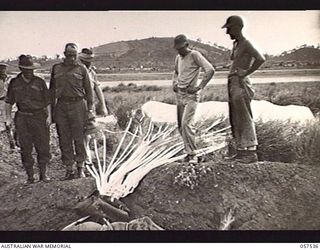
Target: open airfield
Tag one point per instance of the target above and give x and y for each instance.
(163, 79)
(281, 192)
(142, 76)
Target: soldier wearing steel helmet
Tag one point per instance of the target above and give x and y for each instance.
(245, 60)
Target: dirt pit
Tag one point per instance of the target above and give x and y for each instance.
(263, 196)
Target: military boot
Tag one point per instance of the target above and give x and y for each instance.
(43, 174)
(231, 156)
(80, 170)
(69, 172)
(30, 173)
(248, 156)
(232, 153)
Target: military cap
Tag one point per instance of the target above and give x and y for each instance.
(180, 41)
(232, 21)
(26, 62)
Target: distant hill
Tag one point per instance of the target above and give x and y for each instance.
(157, 54)
(153, 52)
(300, 56)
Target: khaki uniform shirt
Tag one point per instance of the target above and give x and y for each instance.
(29, 96)
(71, 81)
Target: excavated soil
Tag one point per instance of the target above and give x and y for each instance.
(263, 196)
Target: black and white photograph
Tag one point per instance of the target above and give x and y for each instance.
(160, 120)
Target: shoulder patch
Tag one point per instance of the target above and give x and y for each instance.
(38, 78)
(13, 80)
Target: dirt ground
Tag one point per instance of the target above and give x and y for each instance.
(263, 196)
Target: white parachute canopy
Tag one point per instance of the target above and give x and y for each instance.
(160, 112)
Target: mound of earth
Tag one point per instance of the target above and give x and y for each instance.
(263, 196)
(176, 197)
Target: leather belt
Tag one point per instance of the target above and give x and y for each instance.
(70, 99)
(31, 112)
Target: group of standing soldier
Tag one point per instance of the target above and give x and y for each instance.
(245, 60)
(69, 102)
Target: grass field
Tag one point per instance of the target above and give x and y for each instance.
(219, 74)
(282, 93)
(277, 142)
(299, 93)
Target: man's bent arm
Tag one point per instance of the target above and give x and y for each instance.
(100, 96)
(256, 64)
(258, 60)
(207, 68)
(88, 89)
(175, 73)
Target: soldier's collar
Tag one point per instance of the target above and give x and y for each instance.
(25, 79)
(76, 63)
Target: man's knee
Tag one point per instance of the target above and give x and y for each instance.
(44, 160)
(27, 159)
(237, 97)
(188, 129)
(25, 144)
(188, 121)
(79, 142)
(186, 125)
(63, 130)
(44, 149)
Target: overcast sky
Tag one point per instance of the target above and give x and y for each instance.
(45, 33)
